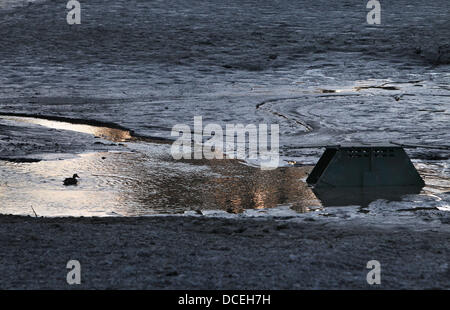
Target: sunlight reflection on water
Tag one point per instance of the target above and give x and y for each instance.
(113, 134)
(131, 184)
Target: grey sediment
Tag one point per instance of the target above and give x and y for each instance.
(182, 252)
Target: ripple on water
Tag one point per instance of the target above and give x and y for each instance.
(130, 183)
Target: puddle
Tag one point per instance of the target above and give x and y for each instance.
(136, 183)
(143, 179)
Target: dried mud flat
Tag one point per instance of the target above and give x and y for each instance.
(177, 252)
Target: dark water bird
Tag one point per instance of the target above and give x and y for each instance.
(71, 181)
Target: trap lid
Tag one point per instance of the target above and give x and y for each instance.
(364, 166)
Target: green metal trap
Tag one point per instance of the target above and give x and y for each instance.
(364, 166)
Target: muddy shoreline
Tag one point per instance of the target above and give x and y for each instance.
(175, 252)
(105, 95)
